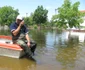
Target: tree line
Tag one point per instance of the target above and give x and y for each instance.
(68, 16)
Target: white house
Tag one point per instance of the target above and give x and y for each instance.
(78, 32)
(83, 24)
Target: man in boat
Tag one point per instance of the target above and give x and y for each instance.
(20, 36)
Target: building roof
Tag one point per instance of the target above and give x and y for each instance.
(82, 11)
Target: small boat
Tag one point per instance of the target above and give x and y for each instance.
(7, 48)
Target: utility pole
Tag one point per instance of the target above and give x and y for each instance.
(56, 11)
(26, 14)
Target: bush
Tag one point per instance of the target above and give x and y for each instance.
(35, 26)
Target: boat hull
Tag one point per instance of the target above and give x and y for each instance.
(11, 53)
(7, 48)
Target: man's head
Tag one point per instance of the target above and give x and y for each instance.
(19, 19)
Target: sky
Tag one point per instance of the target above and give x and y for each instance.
(29, 6)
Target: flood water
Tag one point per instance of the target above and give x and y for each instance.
(54, 52)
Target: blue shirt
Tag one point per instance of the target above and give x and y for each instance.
(23, 30)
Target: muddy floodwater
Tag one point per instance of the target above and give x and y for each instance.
(55, 51)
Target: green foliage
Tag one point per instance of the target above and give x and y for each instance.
(29, 20)
(35, 26)
(54, 20)
(7, 15)
(26, 20)
(40, 15)
(68, 15)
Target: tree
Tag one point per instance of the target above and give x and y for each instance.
(26, 20)
(54, 20)
(40, 15)
(69, 15)
(7, 15)
(29, 20)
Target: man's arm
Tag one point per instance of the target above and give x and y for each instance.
(15, 32)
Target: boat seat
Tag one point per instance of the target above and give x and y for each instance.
(9, 42)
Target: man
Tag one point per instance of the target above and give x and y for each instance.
(20, 34)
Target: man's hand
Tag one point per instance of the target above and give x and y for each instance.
(28, 44)
(22, 23)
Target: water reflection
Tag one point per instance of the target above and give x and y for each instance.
(54, 51)
(39, 36)
(67, 54)
(7, 63)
